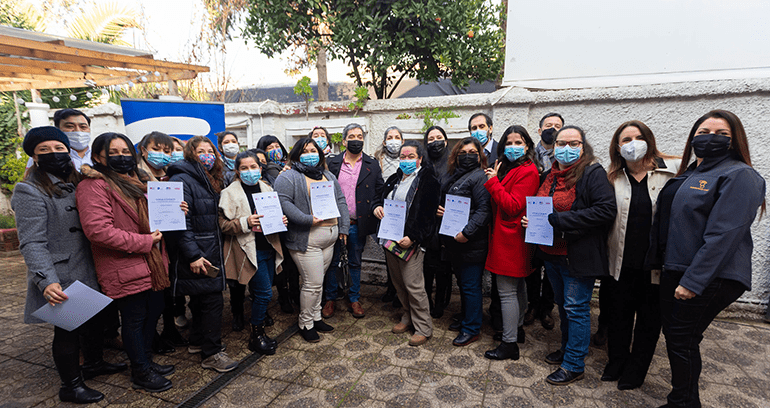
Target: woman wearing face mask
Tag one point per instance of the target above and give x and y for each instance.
(638, 171)
(310, 240)
(228, 145)
(583, 210)
(130, 259)
(387, 156)
(416, 185)
(514, 177)
(177, 153)
(468, 248)
(57, 254)
(701, 237)
(155, 149)
(196, 253)
(276, 155)
(320, 136)
(250, 257)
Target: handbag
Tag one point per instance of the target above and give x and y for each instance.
(401, 253)
(344, 282)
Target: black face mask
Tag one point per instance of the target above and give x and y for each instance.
(355, 146)
(59, 164)
(710, 145)
(436, 149)
(468, 161)
(121, 164)
(547, 136)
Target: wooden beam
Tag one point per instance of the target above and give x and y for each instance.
(62, 66)
(48, 82)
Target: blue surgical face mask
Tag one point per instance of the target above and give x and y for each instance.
(321, 142)
(176, 156)
(567, 155)
(158, 160)
(229, 163)
(408, 166)
(309, 159)
(250, 177)
(481, 135)
(513, 153)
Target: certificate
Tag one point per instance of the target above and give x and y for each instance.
(269, 207)
(392, 224)
(83, 304)
(539, 230)
(323, 201)
(457, 210)
(163, 199)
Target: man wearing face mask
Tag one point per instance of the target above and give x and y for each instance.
(480, 127)
(549, 125)
(77, 126)
(360, 178)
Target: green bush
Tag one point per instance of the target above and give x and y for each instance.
(7, 221)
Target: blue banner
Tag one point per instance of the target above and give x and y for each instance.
(180, 119)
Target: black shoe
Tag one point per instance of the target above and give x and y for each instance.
(612, 371)
(547, 321)
(237, 322)
(397, 303)
(259, 342)
(322, 327)
(521, 335)
(161, 347)
(388, 297)
(498, 336)
(624, 385)
(529, 317)
(464, 339)
(285, 304)
(162, 369)
(455, 326)
(78, 392)
(457, 317)
(269, 320)
(102, 367)
(149, 381)
(437, 312)
(600, 337)
(630, 379)
(174, 338)
(504, 351)
(310, 335)
(563, 377)
(555, 358)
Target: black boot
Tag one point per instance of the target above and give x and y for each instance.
(268, 320)
(101, 367)
(504, 351)
(149, 380)
(237, 296)
(284, 299)
(73, 389)
(259, 342)
(160, 346)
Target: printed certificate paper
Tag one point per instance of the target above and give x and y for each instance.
(163, 199)
(392, 224)
(268, 205)
(83, 304)
(323, 201)
(457, 210)
(539, 231)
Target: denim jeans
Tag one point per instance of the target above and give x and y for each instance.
(261, 285)
(573, 296)
(513, 302)
(469, 280)
(139, 313)
(684, 322)
(356, 244)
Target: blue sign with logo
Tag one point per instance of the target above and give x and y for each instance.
(180, 119)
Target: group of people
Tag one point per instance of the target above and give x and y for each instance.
(665, 234)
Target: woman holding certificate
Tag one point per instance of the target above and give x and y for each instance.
(311, 239)
(514, 177)
(417, 187)
(250, 257)
(131, 260)
(467, 249)
(583, 212)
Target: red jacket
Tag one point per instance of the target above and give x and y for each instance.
(508, 254)
(118, 247)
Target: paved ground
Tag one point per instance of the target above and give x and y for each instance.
(363, 364)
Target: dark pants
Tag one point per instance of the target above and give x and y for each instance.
(495, 308)
(684, 322)
(355, 247)
(67, 345)
(441, 271)
(140, 314)
(632, 297)
(206, 329)
(469, 275)
(110, 321)
(605, 301)
(540, 302)
(287, 282)
(170, 310)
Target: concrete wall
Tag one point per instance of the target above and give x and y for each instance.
(669, 110)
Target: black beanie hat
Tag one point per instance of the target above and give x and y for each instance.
(38, 135)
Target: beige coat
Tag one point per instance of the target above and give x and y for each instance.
(656, 179)
(240, 247)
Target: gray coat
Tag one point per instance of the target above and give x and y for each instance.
(295, 202)
(52, 242)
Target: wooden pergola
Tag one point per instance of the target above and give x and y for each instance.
(32, 60)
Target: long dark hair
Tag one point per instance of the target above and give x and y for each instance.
(452, 161)
(617, 161)
(102, 145)
(215, 174)
(299, 147)
(585, 160)
(531, 154)
(37, 176)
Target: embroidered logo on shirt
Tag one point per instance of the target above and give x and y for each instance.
(701, 186)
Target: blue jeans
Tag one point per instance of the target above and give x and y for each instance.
(573, 295)
(469, 281)
(261, 285)
(139, 314)
(355, 247)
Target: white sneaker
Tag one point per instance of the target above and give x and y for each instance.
(181, 321)
(220, 362)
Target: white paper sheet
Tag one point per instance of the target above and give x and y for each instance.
(163, 200)
(83, 304)
(268, 205)
(323, 201)
(539, 231)
(457, 211)
(392, 224)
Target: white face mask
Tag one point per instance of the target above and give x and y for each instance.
(230, 149)
(79, 140)
(393, 145)
(634, 150)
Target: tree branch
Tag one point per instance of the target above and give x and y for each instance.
(354, 63)
(402, 77)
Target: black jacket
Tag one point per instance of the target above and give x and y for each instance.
(368, 190)
(422, 201)
(492, 154)
(471, 185)
(202, 238)
(586, 225)
(433, 243)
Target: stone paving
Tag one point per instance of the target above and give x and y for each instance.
(363, 364)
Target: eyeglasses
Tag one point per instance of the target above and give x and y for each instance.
(574, 143)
